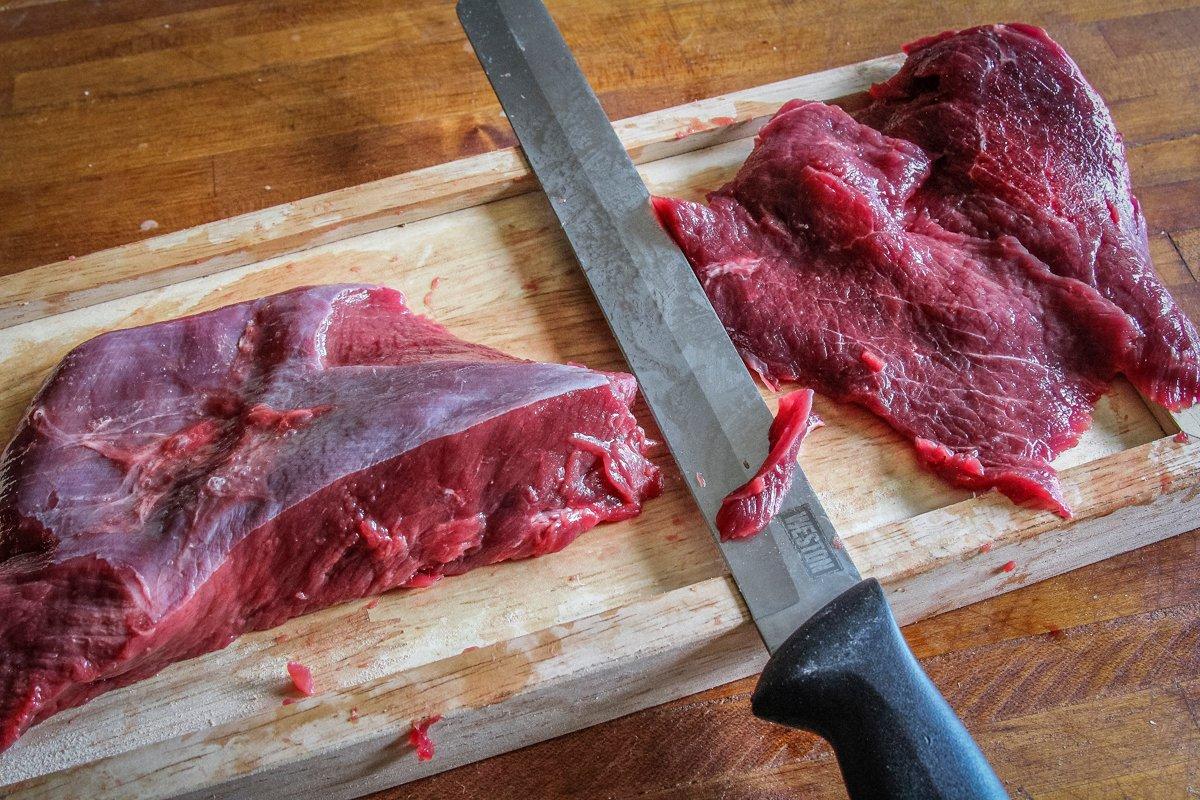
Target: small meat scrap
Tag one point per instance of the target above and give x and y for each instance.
(748, 509)
(418, 737)
(301, 677)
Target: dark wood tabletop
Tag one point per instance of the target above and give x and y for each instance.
(114, 113)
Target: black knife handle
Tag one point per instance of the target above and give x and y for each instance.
(847, 675)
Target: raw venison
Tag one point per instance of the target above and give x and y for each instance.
(747, 510)
(864, 266)
(1024, 146)
(174, 485)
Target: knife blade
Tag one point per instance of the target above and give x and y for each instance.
(831, 633)
(702, 397)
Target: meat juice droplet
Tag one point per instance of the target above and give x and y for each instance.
(418, 737)
(1009, 566)
(1182, 437)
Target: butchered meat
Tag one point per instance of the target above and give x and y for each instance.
(1024, 146)
(974, 274)
(175, 485)
(747, 510)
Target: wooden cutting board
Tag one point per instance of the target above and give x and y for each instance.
(632, 614)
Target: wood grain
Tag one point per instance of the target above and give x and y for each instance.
(1064, 715)
(86, 280)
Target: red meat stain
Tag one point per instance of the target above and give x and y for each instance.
(1182, 437)
(674, 537)
(720, 121)
(1056, 634)
(1009, 566)
(374, 602)
(433, 285)
(694, 126)
(354, 715)
(986, 547)
(531, 285)
(418, 737)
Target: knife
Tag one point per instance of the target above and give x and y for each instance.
(839, 666)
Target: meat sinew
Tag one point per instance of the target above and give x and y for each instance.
(175, 485)
(976, 280)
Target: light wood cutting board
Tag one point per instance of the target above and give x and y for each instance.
(631, 615)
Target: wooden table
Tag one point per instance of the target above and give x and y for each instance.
(128, 116)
